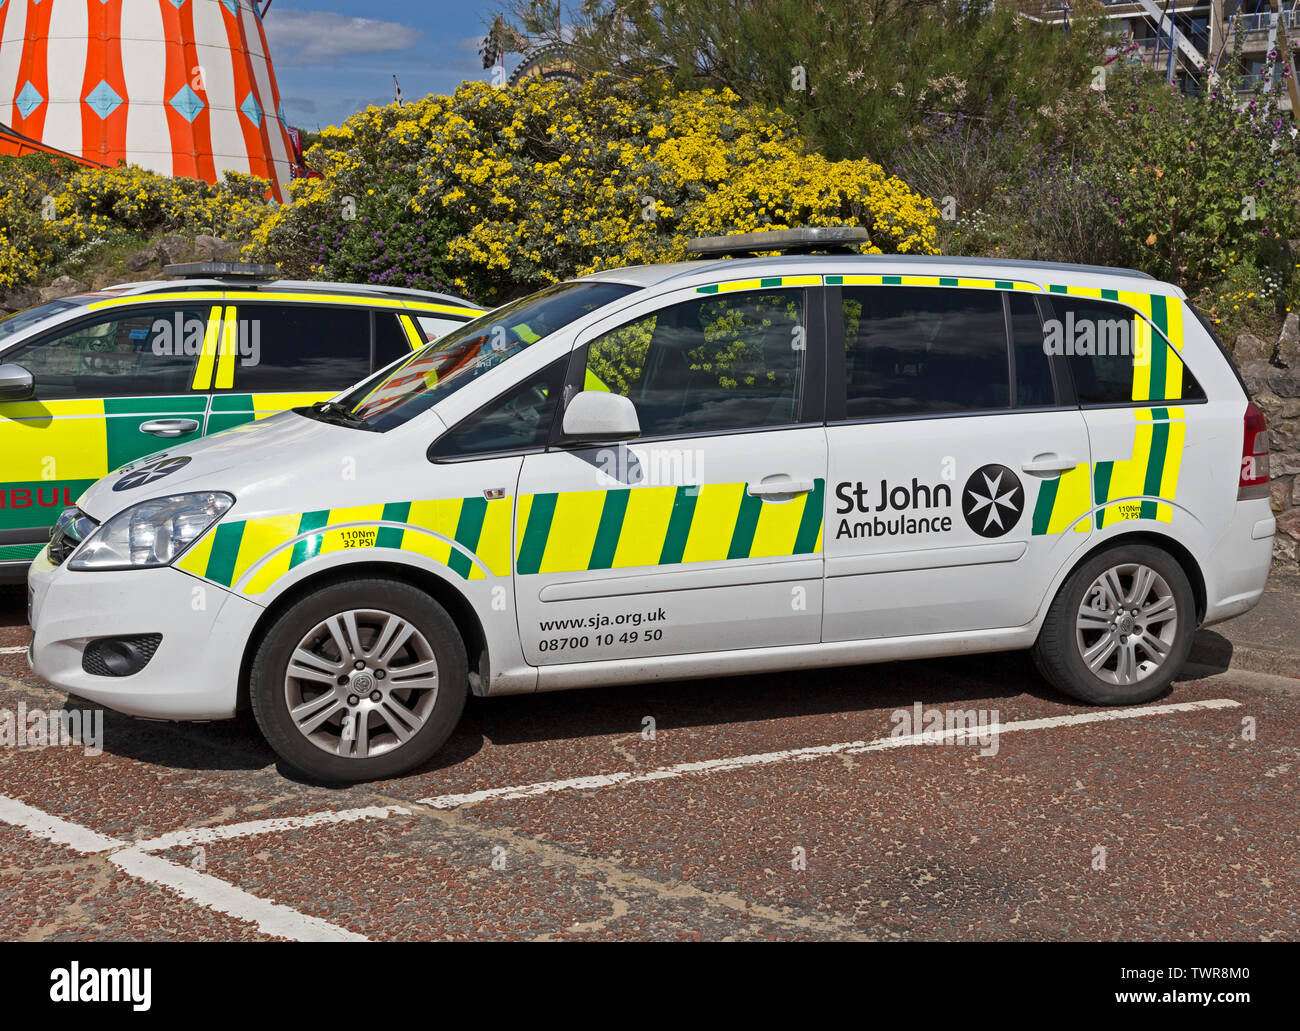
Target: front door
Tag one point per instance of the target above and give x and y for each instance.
(704, 533)
(111, 388)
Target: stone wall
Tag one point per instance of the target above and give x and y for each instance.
(1272, 375)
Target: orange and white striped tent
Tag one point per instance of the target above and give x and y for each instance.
(182, 87)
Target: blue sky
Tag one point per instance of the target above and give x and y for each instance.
(334, 57)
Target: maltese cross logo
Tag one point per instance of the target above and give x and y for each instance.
(992, 500)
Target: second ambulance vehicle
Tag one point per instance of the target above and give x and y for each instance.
(722, 466)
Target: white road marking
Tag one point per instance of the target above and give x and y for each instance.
(253, 828)
(14, 651)
(270, 918)
(815, 752)
(42, 825)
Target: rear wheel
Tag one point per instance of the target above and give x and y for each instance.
(1120, 627)
(359, 681)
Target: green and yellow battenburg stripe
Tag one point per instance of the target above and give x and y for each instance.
(253, 554)
(1139, 487)
(764, 283)
(1128, 489)
(659, 526)
(1064, 502)
(962, 281)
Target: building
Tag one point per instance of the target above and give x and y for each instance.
(1207, 34)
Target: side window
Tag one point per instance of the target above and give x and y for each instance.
(518, 420)
(1114, 356)
(434, 326)
(297, 348)
(924, 351)
(391, 342)
(722, 362)
(1033, 366)
(126, 353)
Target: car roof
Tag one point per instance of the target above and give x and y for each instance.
(361, 290)
(1037, 271)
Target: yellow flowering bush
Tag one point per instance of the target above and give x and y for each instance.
(54, 211)
(24, 248)
(523, 186)
(131, 201)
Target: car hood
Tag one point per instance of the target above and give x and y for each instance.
(274, 464)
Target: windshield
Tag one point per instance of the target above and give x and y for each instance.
(399, 394)
(13, 325)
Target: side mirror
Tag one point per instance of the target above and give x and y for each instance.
(16, 383)
(599, 415)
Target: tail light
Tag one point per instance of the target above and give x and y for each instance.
(1254, 456)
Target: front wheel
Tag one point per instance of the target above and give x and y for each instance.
(1120, 627)
(359, 681)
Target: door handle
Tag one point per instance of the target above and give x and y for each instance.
(778, 487)
(1048, 464)
(169, 427)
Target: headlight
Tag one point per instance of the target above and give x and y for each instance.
(152, 533)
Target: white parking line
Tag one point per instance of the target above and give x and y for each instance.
(270, 918)
(816, 752)
(252, 828)
(13, 651)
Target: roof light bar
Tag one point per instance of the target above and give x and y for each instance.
(222, 270)
(840, 239)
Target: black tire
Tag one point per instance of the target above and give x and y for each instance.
(1058, 652)
(270, 687)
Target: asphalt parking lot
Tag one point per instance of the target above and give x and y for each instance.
(770, 807)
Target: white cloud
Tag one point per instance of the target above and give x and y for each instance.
(322, 37)
(300, 105)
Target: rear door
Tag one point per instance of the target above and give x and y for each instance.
(111, 387)
(958, 461)
(704, 533)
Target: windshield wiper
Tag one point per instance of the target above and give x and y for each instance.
(336, 414)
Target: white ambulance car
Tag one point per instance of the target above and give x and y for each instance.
(723, 466)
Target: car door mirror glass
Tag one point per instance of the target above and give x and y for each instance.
(600, 415)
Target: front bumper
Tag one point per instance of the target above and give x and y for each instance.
(193, 675)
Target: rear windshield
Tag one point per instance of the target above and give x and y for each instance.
(399, 394)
